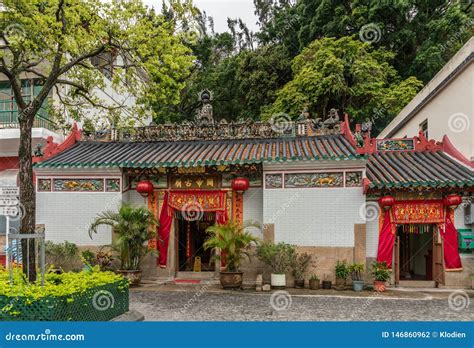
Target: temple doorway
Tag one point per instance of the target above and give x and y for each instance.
(191, 235)
(415, 244)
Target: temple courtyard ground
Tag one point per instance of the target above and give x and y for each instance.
(209, 303)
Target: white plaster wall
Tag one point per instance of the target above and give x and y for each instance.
(372, 236)
(134, 198)
(68, 215)
(314, 216)
(450, 111)
(253, 208)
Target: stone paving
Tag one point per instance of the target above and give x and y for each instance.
(202, 304)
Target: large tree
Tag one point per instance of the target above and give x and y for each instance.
(348, 75)
(55, 40)
(423, 34)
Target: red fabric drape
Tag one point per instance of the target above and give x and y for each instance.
(386, 241)
(166, 218)
(452, 260)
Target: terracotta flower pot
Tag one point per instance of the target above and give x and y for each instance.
(314, 284)
(299, 283)
(379, 286)
(231, 280)
(340, 283)
(134, 277)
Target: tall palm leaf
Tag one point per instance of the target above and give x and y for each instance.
(134, 228)
(233, 240)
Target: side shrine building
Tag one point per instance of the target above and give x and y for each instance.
(336, 193)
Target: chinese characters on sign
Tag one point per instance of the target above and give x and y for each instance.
(195, 182)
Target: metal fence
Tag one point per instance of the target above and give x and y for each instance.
(14, 252)
(9, 116)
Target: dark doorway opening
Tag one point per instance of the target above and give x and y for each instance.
(191, 238)
(416, 251)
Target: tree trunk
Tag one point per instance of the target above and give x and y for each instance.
(27, 193)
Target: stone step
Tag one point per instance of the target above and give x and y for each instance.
(195, 275)
(417, 283)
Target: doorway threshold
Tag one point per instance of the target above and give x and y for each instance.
(417, 283)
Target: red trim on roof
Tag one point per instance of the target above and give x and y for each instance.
(52, 148)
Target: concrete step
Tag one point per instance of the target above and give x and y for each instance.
(195, 275)
(417, 283)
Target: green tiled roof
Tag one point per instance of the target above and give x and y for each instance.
(202, 152)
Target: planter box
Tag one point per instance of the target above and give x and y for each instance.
(101, 303)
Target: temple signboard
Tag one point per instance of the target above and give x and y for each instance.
(195, 182)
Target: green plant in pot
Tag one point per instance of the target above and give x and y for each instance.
(133, 227)
(234, 241)
(280, 258)
(356, 270)
(314, 282)
(342, 272)
(300, 266)
(381, 274)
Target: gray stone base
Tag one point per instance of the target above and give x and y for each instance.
(131, 315)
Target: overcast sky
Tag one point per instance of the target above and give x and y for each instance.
(220, 10)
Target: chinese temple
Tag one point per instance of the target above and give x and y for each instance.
(335, 193)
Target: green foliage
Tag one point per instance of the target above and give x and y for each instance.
(342, 269)
(356, 270)
(62, 255)
(57, 41)
(300, 265)
(233, 239)
(422, 34)
(380, 271)
(133, 227)
(103, 258)
(314, 277)
(279, 257)
(56, 285)
(346, 74)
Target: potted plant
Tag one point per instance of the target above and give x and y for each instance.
(314, 282)
(381, 274)
(279, 257)
(342, 272)
(133, 227)
(356, 270)
(300, 265)
(327, 284)
(233, 241)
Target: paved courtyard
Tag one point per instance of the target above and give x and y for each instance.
(202, 305)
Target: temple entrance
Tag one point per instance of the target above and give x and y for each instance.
(191, 234)
(415, 251)
(418, 255)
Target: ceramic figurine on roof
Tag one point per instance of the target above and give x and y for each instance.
(205, 116)
(332, 120)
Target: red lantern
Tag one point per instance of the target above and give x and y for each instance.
(452, 200)
(240, 184)
(386, 202)
(144, 187)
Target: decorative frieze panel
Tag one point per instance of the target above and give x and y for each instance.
(395, 144)
(79, 185)
(353, 179)
(44, 185)
(273, 181)
(314, 180)
(112, 185)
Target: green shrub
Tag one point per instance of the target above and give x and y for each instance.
(278, 256)
(342, 270)
(62, 255)
(380, 271)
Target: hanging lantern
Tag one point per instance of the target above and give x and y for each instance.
(144, 187)
(452, 200)
(386, 202)
(240, 184)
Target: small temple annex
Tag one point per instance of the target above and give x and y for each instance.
(332, 191)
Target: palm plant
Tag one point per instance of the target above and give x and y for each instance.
(133, 226)
(233, 240)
